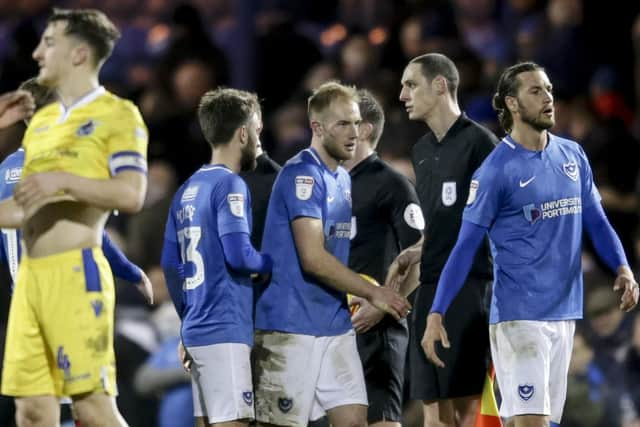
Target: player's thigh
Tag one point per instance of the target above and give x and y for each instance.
(78, 309)
(27, 362)
(521, 353)
(37, 410)
(348, 416)
(221, 382)
(286, 369)
(562, 348)
(96, 409)
(341, 378)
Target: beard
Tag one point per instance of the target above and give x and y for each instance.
(333, 149)
(537, 122)
(248, 157)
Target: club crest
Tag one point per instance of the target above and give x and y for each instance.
(247, 396)
(571, 170)
(526, 391)
(285, 404)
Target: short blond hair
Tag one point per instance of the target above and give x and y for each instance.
(328, 92)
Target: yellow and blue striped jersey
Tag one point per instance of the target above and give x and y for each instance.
(97, 137)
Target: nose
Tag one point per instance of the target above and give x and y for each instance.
(403, 95)
(37, 53)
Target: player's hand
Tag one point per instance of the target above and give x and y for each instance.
(38, 189)
(626, 282)
(434, 331)
(15, 106)
(390, 301)
(366, 316)
(145, 287)
(184, 357)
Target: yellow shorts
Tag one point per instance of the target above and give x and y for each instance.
(60, 332)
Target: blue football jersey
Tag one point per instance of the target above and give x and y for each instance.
(294, 302)
(10, 172)
(218, 302)
(532, 203)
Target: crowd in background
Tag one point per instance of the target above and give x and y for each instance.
(172, 52)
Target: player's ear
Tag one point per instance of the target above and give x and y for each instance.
(316, 128)
(364, 130)
(439, 85)
(512, 103)
(243, 134)
(80, 54)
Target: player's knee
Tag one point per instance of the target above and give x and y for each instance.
(96, 410)
(30, 413)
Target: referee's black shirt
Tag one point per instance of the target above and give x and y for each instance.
(443, 174)
(260, 182)
(385, 221)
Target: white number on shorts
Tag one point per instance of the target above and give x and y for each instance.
(188, 238)
(12, 251)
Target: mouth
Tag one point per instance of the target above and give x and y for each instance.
(351, 146)
(548, 111)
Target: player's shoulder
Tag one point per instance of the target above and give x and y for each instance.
(120, 107)
(565, 143)
(479, 133)
(390, 176)
(306, 162)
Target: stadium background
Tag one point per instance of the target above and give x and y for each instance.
(171, 52)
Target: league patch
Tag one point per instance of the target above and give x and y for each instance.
(526, 391)
(571, 170)
(304, 187)
(12, 175)
(236, 204)
(449, 194)
(354, 228)
(189, 194)
(413, 216)
(473, 190)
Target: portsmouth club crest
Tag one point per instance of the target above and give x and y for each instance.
(247, 396)
(285, 404)
(571, 170)
(526, 391)
(449, 195)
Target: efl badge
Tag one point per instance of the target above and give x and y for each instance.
(304, 187)
(413, 216)
(354, 228)
(236, 204)
(571, 169)
(449, 195)
(473, 190)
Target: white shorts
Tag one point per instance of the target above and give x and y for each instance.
(532, 361)
(299, 378)
(221, 382)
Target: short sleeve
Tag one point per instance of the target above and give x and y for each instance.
(303, 191)
(232, 204)
(127, 142)
(485, 191)
(406, 214)
(589, 191)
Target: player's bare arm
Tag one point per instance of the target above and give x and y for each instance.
(11, 214)
(315, 260)
(15, 106)
(124, 192)
(403, 274)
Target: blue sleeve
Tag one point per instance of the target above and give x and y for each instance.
(120, 265)
(458, 265)
(485, 196)
(241, 255)
(232, 203)
(303, 191)
(172, 265)
(604, 238)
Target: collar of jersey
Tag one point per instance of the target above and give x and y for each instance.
(86, 99)
(318, 159)
(530, 154)
(363, 164)
(211, 167)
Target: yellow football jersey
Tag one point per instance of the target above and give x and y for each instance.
(97, 137)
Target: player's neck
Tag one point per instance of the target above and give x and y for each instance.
(331, 162)
(530, 138)
(72, 88)
(444, 116)
(363, 150)
(220, 156)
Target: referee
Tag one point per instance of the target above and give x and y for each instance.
(444, 160)
(386, 219)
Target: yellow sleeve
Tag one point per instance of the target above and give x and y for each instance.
(127, 142)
